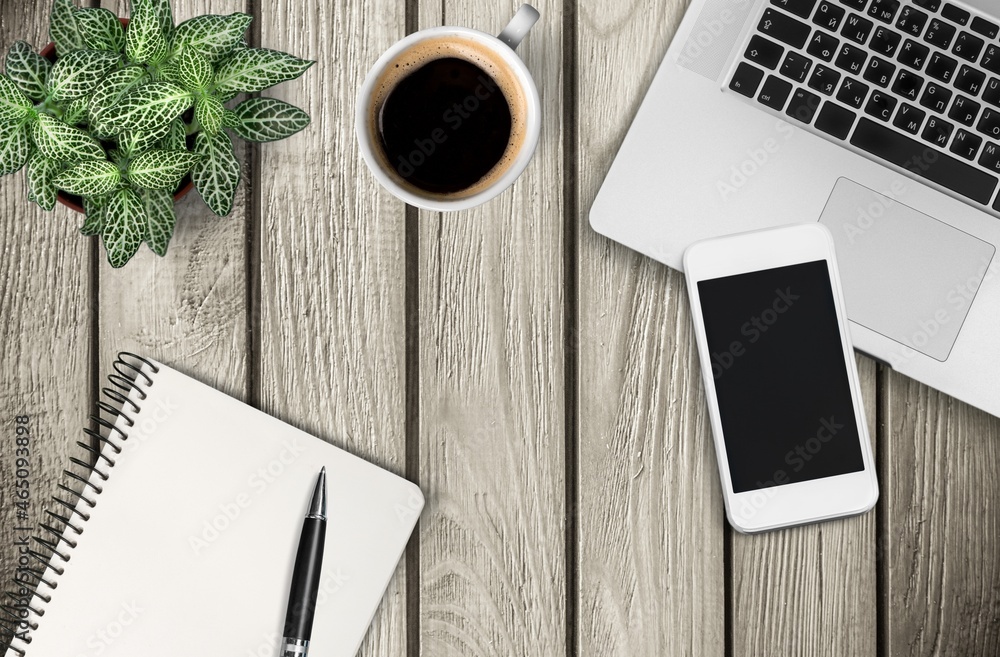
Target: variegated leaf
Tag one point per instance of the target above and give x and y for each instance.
(209, 111)
(77, 74)
(42, 172)
(145, 42)
(76, 112)
(91, 178)
(124, 226)
(63, 28)
(94, 207)
(176, 138)
(194, 71)
(256, 69)
(229, 119)
(148, 107)
(133, 143)
(114, 87)
(169, 72)
(101, 29)
(59, 141)
(160, 219)
(159, 169)
(15, 146)
(268, 119)
(217, 174)
(212, 36)
(28, 69)
(164, 16)
(13, 104)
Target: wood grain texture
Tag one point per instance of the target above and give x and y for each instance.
(651, 567)
(492, 542)
(809, 590)
(44, 330)
(940, 542)
(332, 304)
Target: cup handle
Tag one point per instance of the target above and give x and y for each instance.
(518, 26)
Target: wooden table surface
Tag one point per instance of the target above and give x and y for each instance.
(537, 380)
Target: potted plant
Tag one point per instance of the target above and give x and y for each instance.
(124, 114)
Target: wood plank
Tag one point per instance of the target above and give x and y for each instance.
(941, 527)
(45, 322)
(332, 304)
(651, 569)
(809, 590)
(492, 542)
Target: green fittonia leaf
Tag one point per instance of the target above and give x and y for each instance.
(176, 137)
(42, 172)
(125, 226)
(94, 207)
(160, 219)
(101, 29)
(76, 112)
(256, 69)
(217, 174)
(268, 119)
(77, 74)
(194, 71)
(114, 88)
(209, 111)
(59, 141)
(91, 178)
(145, 42)
(15, 146)
(164, 17)
(28, 69)
(159, 169)
(63, 28)
(14, 105)
(132, 143)
(148, 107)
(212, 36)
(229, 119)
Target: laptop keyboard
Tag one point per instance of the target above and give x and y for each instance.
(915, 84)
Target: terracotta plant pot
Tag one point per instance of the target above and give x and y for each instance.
(75, 202)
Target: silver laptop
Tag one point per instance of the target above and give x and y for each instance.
(879, 118)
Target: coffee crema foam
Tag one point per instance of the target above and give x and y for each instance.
(424, 52)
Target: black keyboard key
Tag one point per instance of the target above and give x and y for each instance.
(936, 98)
(856, 5)
(989, 125)
(823, 46)
(829, 16)
(940, 34)
(803, 106)
(852, 59)
(991, 59)
(885, 41)
(835, 120)
(853, 92)
(937, 132)
(908, 85)
(796, 67)
(912, 21)
(857, 29)
(881, 106)
(764, 52)
(941, 168)
(992, 92)
(783, 28)
(801, 8)
(884, 10)
(966, 145)
(986, 28)
(929, 5)
(956, 14)
(913, 54)
(746, 80)
(879, 71)
(968, 46)
(970, 80)
(964, 110)
(990, 158)
(941, 67)
(909, 118)
(775, 92)
(824, 80)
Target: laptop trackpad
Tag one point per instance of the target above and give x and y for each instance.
(906, 275)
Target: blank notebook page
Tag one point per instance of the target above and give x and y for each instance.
(190, 548)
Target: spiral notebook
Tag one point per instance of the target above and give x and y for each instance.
(184, 538)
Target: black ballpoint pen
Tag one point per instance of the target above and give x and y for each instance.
(305, 576)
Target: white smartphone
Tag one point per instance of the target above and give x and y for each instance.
(780, 378)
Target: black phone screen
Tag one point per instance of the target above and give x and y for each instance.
(780, 377)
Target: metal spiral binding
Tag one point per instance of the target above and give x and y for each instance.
(39, 569)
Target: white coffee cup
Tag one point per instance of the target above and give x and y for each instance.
(502, 47)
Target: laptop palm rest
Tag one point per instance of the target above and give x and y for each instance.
(906, 275)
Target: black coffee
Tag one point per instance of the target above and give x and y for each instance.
(445, 126)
